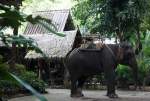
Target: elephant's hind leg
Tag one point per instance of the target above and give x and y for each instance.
(76, 87)
(81, 81)
(73, 88)
(75, 91)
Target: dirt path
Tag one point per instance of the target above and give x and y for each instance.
(63, 95)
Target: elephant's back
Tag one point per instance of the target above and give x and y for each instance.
(84, 53)
(84, 59)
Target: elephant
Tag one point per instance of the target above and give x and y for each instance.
(82, 63)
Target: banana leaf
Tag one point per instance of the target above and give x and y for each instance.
(10, 17)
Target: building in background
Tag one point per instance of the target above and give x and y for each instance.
(54, 47)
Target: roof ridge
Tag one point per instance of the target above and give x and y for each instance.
(52, 10)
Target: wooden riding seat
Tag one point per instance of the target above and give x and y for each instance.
(91, 46)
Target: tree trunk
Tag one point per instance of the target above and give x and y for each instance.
(139, 44)
(120, 36)
(14, 49)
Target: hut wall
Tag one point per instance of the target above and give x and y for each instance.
(52, 70)
(6, 52)
(56, 71)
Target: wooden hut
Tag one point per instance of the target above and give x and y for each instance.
(53, 46)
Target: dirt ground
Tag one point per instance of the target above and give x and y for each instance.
(90, 95)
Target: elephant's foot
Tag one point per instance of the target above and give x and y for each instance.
(112, 95)
(79, 91)
(77, 95)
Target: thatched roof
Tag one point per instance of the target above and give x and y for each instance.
(58, 17)
(53, 45)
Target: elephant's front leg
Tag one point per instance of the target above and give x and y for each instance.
(110, 77)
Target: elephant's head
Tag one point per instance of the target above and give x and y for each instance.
(127, 57)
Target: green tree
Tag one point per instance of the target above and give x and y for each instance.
(10, 16)
(121, 18)
(144, 60)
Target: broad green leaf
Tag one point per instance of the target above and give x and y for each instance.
(13, 18)
(51, 30)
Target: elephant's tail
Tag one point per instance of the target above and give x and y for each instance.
(66, 78)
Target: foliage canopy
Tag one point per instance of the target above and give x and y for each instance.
(111, 17)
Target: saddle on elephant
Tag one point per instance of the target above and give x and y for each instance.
(90, 46)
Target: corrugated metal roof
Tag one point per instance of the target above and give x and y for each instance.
(52, 45)
(58, 18)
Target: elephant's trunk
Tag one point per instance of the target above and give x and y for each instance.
(134, 66)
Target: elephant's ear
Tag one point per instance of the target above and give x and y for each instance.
(120, 53)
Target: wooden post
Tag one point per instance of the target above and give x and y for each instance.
(39, 69)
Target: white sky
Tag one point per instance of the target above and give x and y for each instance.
(63, 4)
(43, 5)
(47, 5)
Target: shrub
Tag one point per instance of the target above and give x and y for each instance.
(10, 87)
(123, 76)
(30, 77)
(7, 85)
(144, 60)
